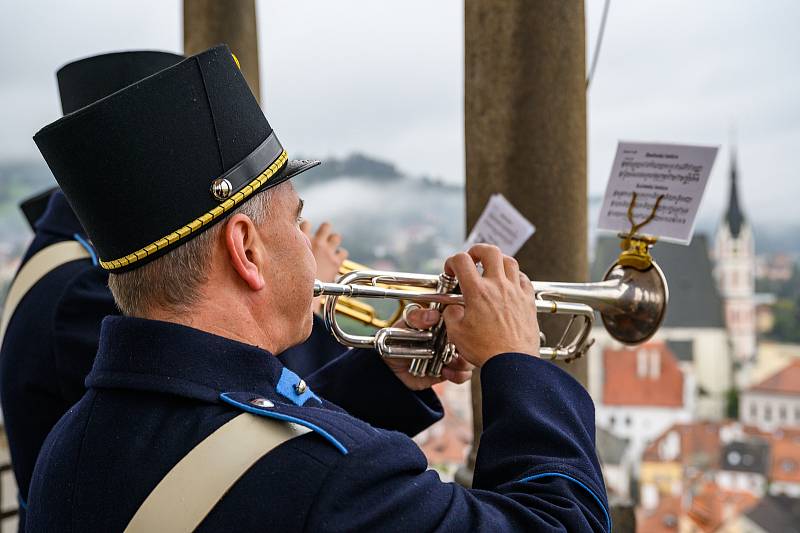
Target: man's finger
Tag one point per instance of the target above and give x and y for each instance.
(305, 227)
(334, 239)
(323, 231)
(462, 266)
(453, 315)
(422, 318)
(511, 268)
(490, 257)
(342, 253)
(525, 283)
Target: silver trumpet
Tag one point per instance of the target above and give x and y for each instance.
(631, 300)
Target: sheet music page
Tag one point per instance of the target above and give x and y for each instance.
(679, 172)
(502, 225)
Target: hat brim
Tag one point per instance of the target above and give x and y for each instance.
(292, 168)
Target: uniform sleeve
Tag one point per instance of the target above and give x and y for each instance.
(536, 468)
(363, 385)
(86, 300)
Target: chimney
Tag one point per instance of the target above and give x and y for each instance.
(655, 363)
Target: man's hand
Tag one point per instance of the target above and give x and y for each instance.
(499, 312)
(325, 244)
(458, 371)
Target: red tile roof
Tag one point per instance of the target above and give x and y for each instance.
(632, 376)
(699, 445)
(663, 519)
(786, 381)
(712, 506)
(785, 455)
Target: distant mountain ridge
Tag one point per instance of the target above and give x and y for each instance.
(21, 179)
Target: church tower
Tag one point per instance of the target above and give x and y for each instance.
(734, 252)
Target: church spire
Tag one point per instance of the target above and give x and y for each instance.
(734, 217)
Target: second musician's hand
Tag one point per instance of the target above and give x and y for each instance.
(328, 253)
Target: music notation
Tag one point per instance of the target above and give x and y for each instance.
(679, 173)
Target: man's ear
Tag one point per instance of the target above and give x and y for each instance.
(245, 250)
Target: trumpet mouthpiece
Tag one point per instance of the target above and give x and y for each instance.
(331, 289)
(317, 288)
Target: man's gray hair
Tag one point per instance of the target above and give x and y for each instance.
(172, 282)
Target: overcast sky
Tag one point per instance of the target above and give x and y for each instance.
(386, 78)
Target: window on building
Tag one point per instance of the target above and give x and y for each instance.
(612, 420)
(782, 413)
(768, 413)
(628, 421)
(641, 363)
(753, 411)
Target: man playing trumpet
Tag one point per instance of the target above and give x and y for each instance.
(190, 422)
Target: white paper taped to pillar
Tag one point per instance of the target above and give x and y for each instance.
(502, 225)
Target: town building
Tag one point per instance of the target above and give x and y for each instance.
(734, 270)
(744, 466)
(772, 358)
(785, 464)
(709, 507)
(616, 462)
(644, 393)
(678, 456)
(775, 401)
(447, 442)
(770, 515)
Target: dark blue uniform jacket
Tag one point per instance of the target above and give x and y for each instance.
(157, 389)
(52, 339)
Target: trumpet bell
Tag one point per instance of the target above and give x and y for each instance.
(638, 311)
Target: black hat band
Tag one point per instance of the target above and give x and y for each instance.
(241, 188)
(239, 176)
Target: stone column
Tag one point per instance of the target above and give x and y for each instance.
(525, 135)
(210, 22)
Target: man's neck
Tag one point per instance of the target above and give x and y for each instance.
(223, 319)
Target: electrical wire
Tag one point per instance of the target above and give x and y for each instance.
(597, 44)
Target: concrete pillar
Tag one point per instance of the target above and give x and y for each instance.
(525, 135)
(210, 22)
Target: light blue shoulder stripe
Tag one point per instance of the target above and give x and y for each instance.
(89, 248)
(287, 418)
(570, 478)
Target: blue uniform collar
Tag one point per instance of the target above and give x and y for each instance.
(59, 218)
(142, 354)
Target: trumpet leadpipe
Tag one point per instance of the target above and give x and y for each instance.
(369, 291)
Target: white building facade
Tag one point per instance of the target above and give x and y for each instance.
(769, 410)
(734, 271)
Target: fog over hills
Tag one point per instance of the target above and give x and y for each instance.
(384, 214)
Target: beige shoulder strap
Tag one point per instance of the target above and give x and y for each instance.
(44, 261)
(194, 486)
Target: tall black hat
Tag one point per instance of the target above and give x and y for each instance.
(85, 81)
(34, 207)
(156, 163)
